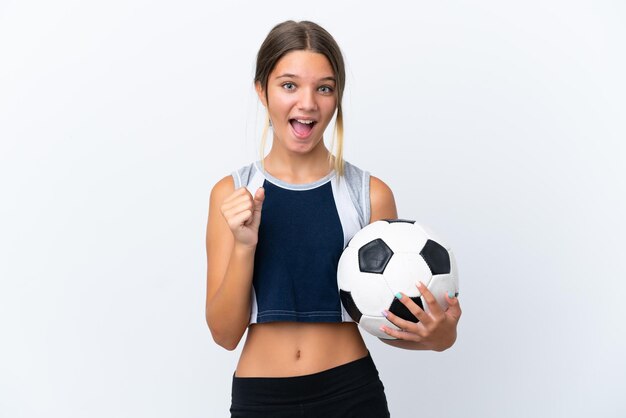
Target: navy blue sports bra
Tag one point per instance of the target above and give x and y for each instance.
(304, 229)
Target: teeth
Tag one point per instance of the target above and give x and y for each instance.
(306, 122)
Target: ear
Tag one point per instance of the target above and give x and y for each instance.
(261, 93)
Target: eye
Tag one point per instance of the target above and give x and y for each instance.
(326, 89)
(289, 86)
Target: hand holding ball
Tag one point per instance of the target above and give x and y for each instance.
(391, 256)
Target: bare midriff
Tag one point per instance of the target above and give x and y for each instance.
(287, 349)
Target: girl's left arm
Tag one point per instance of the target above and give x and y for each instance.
(436, 329)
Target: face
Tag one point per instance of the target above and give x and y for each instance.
(301, 100)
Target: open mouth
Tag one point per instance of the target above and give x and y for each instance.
(302, 127)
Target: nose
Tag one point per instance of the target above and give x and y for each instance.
(307, 100)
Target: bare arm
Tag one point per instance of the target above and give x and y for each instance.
(440, 332)
(382, 201)
(232, 231)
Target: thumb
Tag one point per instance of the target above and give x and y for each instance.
(259, 197)
(454, 308)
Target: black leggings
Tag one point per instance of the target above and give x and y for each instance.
(349, 390)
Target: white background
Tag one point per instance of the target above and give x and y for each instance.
(500, 125)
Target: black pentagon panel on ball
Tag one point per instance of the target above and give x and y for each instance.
(374, 256)
(348, 303)
(393, 221)
(437, 257)
(403, 312)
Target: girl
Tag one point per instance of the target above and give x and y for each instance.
(276, 230)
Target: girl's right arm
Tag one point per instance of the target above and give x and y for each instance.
(231, 238)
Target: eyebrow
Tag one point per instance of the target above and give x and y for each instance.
(289, 75)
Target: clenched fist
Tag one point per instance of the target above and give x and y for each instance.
(242, 212)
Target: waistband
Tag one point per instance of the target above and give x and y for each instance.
(308, 388)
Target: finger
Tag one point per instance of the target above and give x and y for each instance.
(259, 195)
(399, 334)
(413, 307)
(235, 200)
(257, 204)
(259, 198)
(433, 306)
(403, 324)
(238, 220)
(454, 307)
(238, 208)
(242, 191)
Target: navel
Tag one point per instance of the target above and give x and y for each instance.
(298, 355)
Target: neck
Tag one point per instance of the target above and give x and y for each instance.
(299, 168)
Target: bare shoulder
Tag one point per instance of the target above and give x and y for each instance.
(224, 186)
(222, 189)
(216, 225)
(383, 204)
(379, 189)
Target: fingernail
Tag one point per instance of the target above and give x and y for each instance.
(451, 295)
(398, 295)
(420, 284)
(385, 313)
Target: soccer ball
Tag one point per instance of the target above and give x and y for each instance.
(391, 256)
